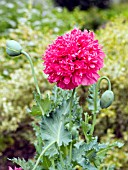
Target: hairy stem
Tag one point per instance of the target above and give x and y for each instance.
(93, 124)
(70, 123)
(33, 71)
(97, 87)
(70, 112)
(83, 126)
(53, 163)
(95, 110)
(70, 153)
(106, 78)
(61, 158)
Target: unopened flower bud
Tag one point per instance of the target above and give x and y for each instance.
(13, 48)
(106, 99)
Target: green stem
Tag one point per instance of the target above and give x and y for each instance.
(106, 78)
(93, 124)
(86, 118)
(86, 137)
(61, 158)
(39, 103)
(95, 110)
(33, 71)
(70, 112)
(66, 150)
(42, 153)
(53, 163)
(70, 123)
(84, 128)
(70, 153)
(97, 87)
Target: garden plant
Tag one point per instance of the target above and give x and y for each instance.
(65, 137)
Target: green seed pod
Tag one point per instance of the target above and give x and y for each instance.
(106, 99)
(13, 48)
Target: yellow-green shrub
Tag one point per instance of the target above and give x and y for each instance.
(114, 38)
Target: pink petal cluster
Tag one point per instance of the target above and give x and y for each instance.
(73, 59)
(14, 168)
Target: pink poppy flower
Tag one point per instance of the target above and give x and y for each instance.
(73, 59)
(14, 168)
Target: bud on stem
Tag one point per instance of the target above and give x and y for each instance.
(106, 99)
(108, 96)
(13, 48)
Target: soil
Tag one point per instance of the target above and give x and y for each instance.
(21, 148)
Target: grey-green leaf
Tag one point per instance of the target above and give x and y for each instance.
(53, 129)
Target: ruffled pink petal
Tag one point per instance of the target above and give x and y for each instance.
(74, 59)
(14, 168)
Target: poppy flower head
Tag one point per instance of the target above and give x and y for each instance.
(73, 59)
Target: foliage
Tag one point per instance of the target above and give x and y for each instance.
(101, 17)
(59, 148)
(58, 20)
(9, 19)
(25, 165)
(46, 18)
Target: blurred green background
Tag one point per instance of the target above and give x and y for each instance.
(35, 24)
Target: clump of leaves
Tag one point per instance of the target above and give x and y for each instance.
(64, 139)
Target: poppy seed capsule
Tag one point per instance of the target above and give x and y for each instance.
(106, 99)
(13, 48)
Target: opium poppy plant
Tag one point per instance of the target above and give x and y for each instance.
(65, 133)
